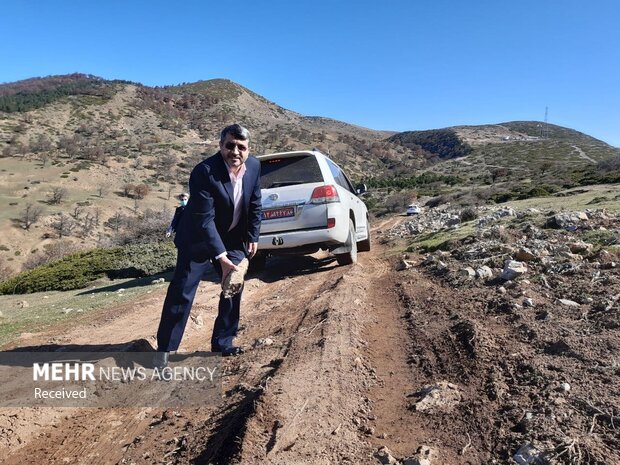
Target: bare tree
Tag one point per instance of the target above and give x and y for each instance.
(96, 154)
(396, 202)
(41, 144)
(102, 190)
(88, 224)
(57, 195)
(44, 157)
(85, 225)
(115, 222)
(77, 211)
(63, 225)
(128, 189)
(30, 216)
(51, 252)
(164, 167)
(545, 167)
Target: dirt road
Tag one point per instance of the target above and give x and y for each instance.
(352, 348)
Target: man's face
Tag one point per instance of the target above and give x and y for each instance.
(234, 151)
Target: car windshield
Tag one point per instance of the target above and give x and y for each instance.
(278, 172)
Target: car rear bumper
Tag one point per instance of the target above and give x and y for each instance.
(303, 240)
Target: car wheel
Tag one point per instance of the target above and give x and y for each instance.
(350, 257)
(258, 262)
(364, 246)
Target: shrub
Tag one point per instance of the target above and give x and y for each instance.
(140, 260)
(538, 191)
(602, 238)
(611, 164)
(371, 203)
(436, 201)
(78, 270)
(396, 202)
(468, 214)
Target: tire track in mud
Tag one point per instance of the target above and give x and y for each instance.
(304, 415)
(303, 391)
(251, 378)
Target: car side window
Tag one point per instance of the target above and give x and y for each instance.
(340, 177)
(351, 188)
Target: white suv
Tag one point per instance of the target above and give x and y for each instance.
(310, 204)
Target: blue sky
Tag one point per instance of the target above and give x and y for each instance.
(398, 65)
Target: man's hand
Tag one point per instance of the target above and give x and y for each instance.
(252, 248)
(227, 267)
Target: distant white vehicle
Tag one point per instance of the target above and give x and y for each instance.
(310, 204)
(413, 209)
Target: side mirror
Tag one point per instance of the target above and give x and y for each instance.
(360, 189)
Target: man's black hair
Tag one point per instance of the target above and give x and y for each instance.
(237, 131)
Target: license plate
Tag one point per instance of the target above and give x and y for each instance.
(278, 213)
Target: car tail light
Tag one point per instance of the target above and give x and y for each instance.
(331, 223)
(325, 194)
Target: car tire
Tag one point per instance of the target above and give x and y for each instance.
(350, 257)
(258, 262)
(364, 246)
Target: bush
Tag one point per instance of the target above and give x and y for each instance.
(538, 191)
(468, 214)
(602, 238)
(371, 203)
(78, 270)
(436, 201)
(140, 260)
(611, 164)
(396, 202)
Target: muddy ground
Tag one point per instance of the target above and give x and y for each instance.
(354, 352)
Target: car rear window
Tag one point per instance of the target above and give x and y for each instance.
(278, 172)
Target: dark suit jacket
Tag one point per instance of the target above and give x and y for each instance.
(203, 230)
(178, 212)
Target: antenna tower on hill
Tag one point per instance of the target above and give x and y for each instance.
(545, 127)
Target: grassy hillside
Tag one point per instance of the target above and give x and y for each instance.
(95, 157)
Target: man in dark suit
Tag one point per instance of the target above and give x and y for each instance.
(220, 225)
(178, 213)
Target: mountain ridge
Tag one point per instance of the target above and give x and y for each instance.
(100, 139)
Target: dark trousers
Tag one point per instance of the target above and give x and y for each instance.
(180, 296)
